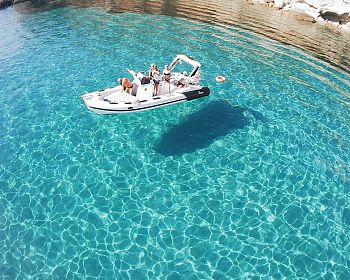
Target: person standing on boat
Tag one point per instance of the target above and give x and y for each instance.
(126, 84)
(156, 80)
(150, 71)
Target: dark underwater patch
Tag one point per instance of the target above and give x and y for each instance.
(200, 129)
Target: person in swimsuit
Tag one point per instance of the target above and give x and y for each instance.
(150, 71)
(126, 84)
(166, 73)
(182, 81)
(156, 80)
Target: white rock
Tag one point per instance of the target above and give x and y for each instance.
(280, 3)
(314, 13)
(303, 8)
(317, 3)
(346, 27)
(297, 7)
(340, 9)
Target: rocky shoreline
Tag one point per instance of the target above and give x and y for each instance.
(329, 12)
(332, 12)
(6, 3)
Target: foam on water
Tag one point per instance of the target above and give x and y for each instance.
(251, 182)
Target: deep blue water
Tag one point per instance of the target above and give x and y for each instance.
(252, 182)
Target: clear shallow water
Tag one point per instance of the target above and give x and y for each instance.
(251, 182)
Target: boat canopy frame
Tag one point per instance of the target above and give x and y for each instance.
(181, 57)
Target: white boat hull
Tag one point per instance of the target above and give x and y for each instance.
(114, 101)
(178, 88)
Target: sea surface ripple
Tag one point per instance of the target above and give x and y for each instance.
(252, 182)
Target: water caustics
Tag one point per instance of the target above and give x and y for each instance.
(252, 181)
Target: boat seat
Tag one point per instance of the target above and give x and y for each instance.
(121, 97)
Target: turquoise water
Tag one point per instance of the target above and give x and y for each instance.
(252, 182)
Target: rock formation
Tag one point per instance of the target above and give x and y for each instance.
(5, 3)
(335, 12)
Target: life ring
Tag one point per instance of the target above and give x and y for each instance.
(220, 79)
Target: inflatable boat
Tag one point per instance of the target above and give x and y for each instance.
(178, 88)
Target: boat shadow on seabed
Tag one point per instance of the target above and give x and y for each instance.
(202, 128)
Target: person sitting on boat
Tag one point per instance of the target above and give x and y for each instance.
(156, 80)
(126, 84)
(166, 73)
(182, 81)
